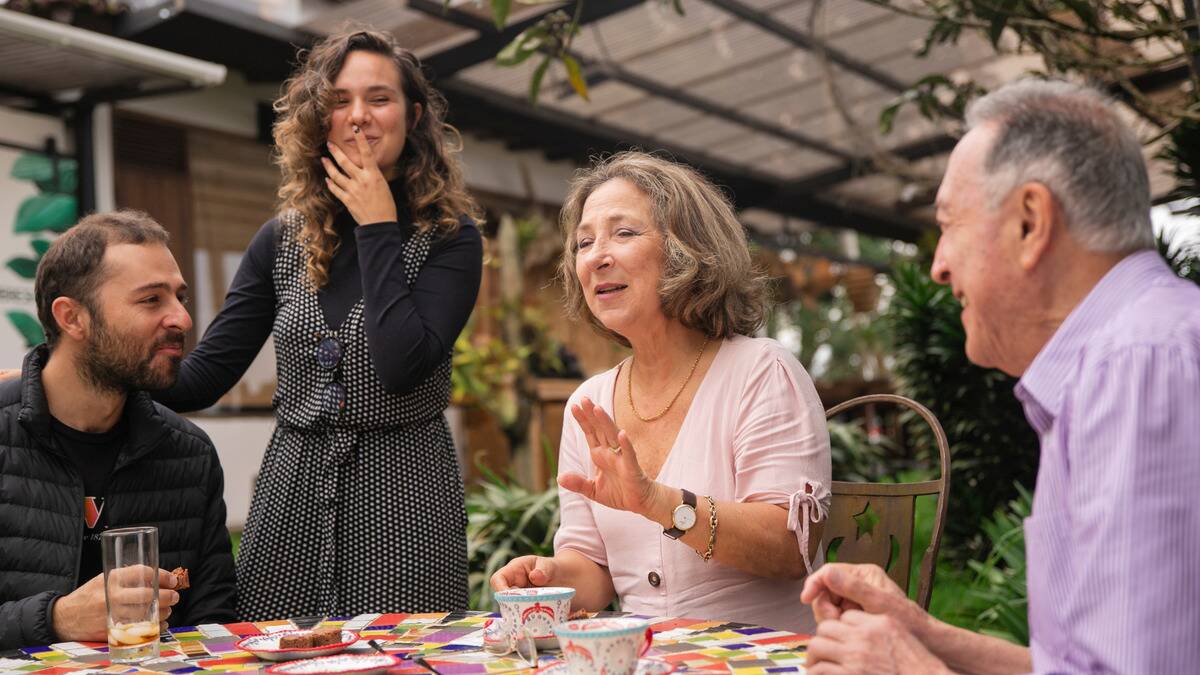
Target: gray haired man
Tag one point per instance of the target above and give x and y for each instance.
(1046, 242)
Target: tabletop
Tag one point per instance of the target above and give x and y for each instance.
(449, 642)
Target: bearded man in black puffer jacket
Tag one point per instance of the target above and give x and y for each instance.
(83, 449)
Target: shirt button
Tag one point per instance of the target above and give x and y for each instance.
(654, 579)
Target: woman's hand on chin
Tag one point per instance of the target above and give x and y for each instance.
(362, 189)
(619, 481)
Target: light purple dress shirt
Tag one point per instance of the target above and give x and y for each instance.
(1113, 542)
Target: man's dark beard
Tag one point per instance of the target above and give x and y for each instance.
(113, 362)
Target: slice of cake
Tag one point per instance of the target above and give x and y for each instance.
(297, 640)
(326, 636)
(308, 639)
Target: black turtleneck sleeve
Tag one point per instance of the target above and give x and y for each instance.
(237, 333)
(411, 329)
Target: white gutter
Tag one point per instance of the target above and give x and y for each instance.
(90, 44)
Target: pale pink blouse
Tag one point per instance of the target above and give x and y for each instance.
(755, 432)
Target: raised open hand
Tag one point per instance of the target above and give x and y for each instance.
(619, 481)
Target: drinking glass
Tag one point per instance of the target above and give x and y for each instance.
(131, 592)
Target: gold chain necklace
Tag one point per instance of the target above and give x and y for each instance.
(673, 398)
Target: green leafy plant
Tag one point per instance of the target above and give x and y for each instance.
(856, 457)
(993, 447)
(998, 600)
(1130, 45)
(505, 520)
(1184, 259)
(48, 213)
(852, 345)
(483, 371)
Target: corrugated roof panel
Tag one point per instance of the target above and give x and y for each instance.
(509, 79)
(379, 13)
(52, 70)
(881, 38)
(908, 68)
(908, 125)
(705, 134)
(790, 164)
(646, 28)
(605, 96)
(796, 107)
(787, 68)
(747, 146)
(651, 112)
(645, 118)
(717, 52)
(837, 16)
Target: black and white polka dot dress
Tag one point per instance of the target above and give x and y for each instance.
(359, 504)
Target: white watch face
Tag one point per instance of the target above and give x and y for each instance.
(683, 517)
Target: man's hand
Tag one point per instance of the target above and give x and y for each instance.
(81, 615)
(840, 587)
(524, 572)
(869, 644)
(9, 374)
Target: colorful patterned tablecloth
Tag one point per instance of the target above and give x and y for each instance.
(451, 643)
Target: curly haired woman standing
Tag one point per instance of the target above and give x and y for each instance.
(364, 280)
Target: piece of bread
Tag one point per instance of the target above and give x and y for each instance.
(181, 578)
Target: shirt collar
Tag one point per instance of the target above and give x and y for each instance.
(1042, 385)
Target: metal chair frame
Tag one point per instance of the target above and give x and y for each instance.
(897, 501)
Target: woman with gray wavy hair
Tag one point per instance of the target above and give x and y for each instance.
(656, 259)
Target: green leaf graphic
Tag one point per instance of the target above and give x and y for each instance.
(26, 268)
(28, 326)
(54, 212)
(40, 170)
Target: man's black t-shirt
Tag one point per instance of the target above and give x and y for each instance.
(94, 456)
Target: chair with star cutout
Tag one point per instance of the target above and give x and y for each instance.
(873, 522)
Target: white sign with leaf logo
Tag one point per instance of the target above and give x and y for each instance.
(37, 203)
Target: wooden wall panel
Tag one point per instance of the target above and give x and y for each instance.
(151, 175)
(233, 191)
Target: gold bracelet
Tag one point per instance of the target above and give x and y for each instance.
(712, 530)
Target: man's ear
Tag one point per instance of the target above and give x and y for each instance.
(73, 318)
(1040, 220)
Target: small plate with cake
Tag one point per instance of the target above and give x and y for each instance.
(298, 644)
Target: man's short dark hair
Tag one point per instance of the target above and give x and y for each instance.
(74, 265)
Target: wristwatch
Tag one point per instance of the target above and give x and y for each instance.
(683, 517)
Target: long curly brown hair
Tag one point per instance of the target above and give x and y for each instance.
(433, 182)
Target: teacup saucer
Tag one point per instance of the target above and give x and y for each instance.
(495, 639)
(644, 667)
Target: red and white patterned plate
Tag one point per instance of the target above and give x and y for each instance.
(342, 664)
(266, 646)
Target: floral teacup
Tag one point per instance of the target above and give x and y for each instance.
(534, 612)
(609, 646)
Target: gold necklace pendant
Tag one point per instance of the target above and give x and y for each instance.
(629, 392)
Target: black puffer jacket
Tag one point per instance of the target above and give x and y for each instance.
(168, 476)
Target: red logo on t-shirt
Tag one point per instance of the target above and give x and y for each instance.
(92, 508)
